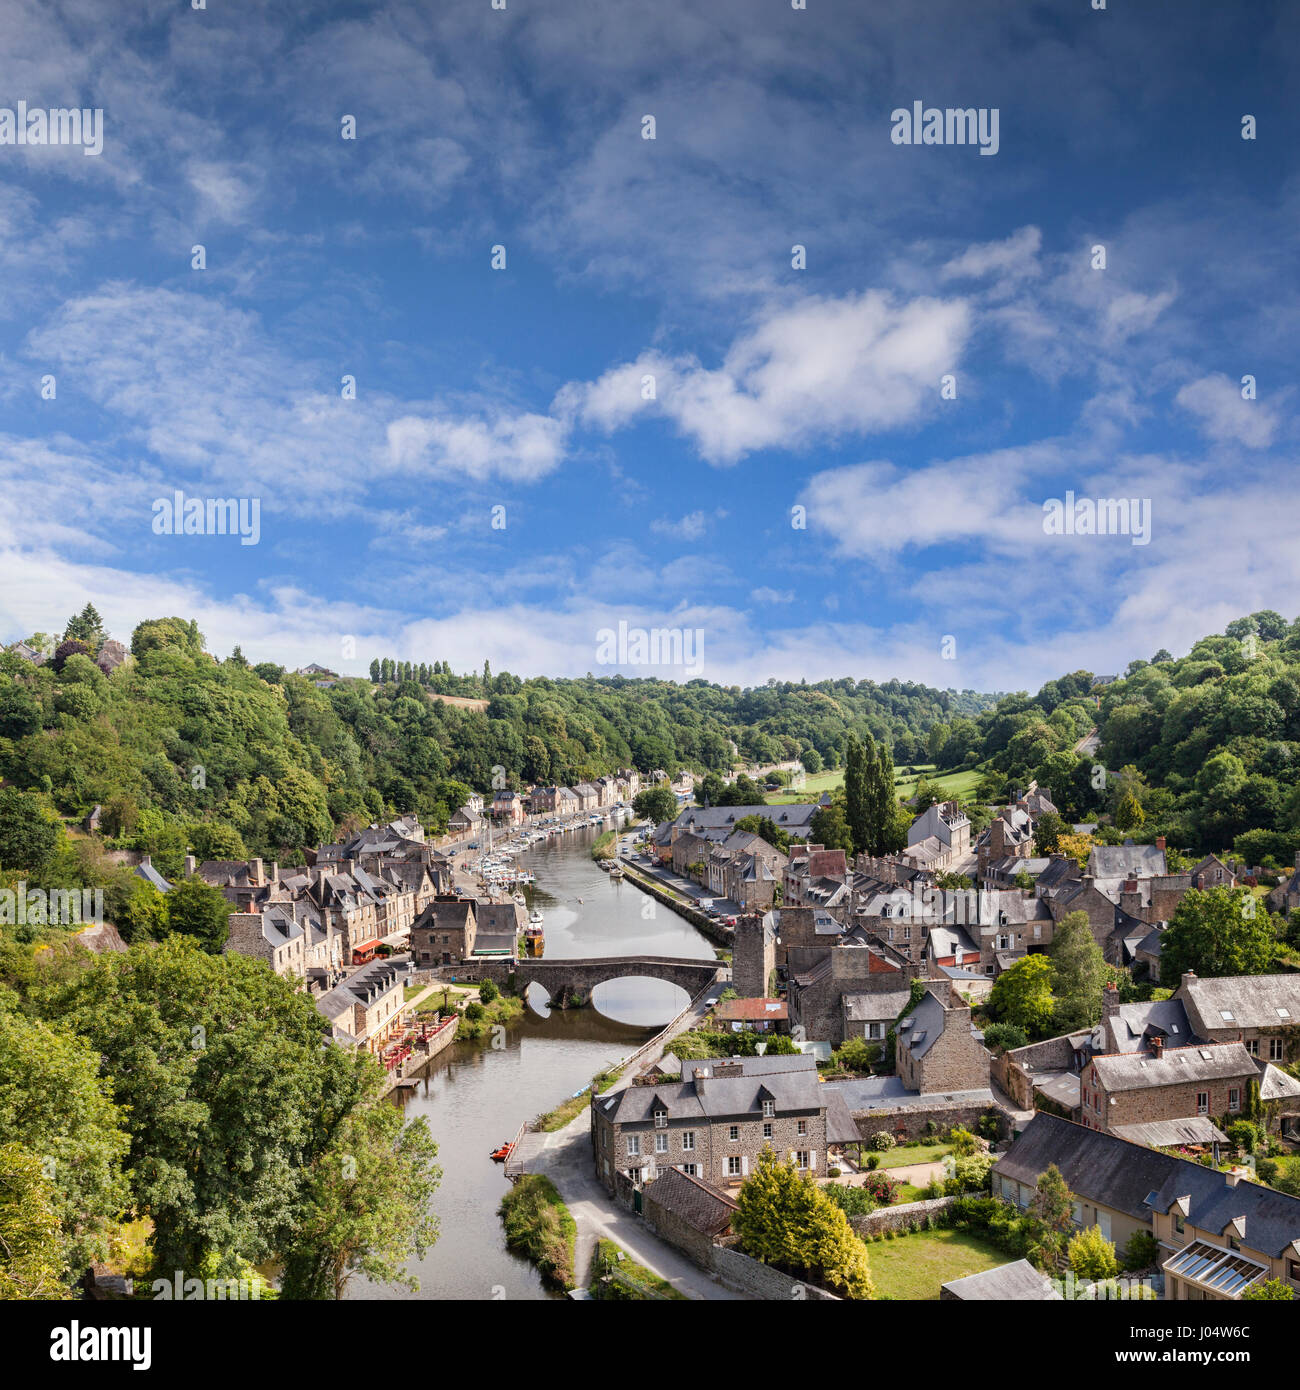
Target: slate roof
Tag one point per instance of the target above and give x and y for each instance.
(1253, 1001)
(716, 1097)
(876, 1006)
(700, 1206)
(1179, 1065)
(923, 1026)
(1168, 1134)
(1132, 1028)
(1127, 861)
(796, 815)
(1018, 1281)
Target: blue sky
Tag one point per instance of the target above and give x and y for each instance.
(775, 388)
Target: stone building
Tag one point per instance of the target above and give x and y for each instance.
(937, 1047)
(856, 989)
(713, 1123)
(687, 1212)
(753, 955)
(1261, 1011)
(1169, 1083)
(445, 932)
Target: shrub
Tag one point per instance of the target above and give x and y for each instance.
(1243, 1135)
(873, 1162)
(962, 1141)
(1142, 1250)
(832, 1172)
(488, 992)
(1004, 1037)
(474, 1011)
(882, 1141)
(881, 1188)
(1091, 1255)
(1266, 1170)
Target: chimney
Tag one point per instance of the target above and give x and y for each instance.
(1160, 842)
(941, 989)
(190, 864)
(146, 860)
(274, 875)
(1157, 1046)
(259, 876)
(1189, 978)
(1110, 1001)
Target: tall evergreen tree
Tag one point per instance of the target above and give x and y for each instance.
(857, 790)
(375, 670)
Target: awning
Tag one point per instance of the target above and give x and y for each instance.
(1226, 1272)
(367, 945)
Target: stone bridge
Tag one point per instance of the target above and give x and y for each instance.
(562, 979)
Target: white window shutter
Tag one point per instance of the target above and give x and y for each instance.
(794, 1157)
(744, 1166)
(812, 1159)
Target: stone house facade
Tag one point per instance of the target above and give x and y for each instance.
(1168, 1083)
(713, 1124)
(1261, 1011)
(937, 1047)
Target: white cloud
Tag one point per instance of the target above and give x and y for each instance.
(813, 370)
(1224, 415)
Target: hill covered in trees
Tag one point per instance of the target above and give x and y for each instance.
(1203, 749)
(182, 749)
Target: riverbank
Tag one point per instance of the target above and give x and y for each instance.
(539, 1226)
(605, 846)
(715, 931)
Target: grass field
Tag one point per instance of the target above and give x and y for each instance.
(959, 785)
(913, 1267)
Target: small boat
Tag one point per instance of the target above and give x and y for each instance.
(500, 1155)
(616, 871)
(535, 917)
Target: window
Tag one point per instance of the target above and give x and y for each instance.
(1202, 1102)
(803, 1128)
(734, 1132)
(1077, 1212)
(688, 1140)
(1252, 1046)
(633, 1145)
(907, 933)
(1179, 1224)
(604, 1139)
(661, 1119)
(801, 1158)
(1276, 1050)
(1293, 1271)
(690, 1170)
(769, 1109)
(733, 1166)
(1234, 1099)
(767, 1129)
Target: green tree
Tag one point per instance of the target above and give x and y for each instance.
(228, 1090)
(1004, 1036)
(1023, 996)
(55, 1104)
(858, 770)
(33, 1259)
(1091, 1255)
(1129, 814)
(784, 1219)
(1047, 833)
(767, 829)
(1220, 931)
(829, 828)
(657, 804)
(27, 838)
(1078, 973)
(366, 1205)
(86, 627)
(198, 910)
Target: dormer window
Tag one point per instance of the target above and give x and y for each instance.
(661, 1119)
(769, 1109)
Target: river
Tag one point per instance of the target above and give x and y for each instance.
(475, 1096)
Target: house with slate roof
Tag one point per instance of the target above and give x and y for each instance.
(713, 1123)
(1218, 1233)
(937, 1046)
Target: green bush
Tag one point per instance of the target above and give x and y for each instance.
(474, 1011)
(1243, 1135)
(873, 1162)
(1142, 1250)
(882, 1141)
(488, 992)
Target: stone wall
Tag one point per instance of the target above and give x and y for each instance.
(899, 1218)
(749, 1276)
(1016, 1071)
(909, 1122)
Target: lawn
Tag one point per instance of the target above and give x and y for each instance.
(959, 785)
(814, 784)
(906, 1154)
(913, 1267)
